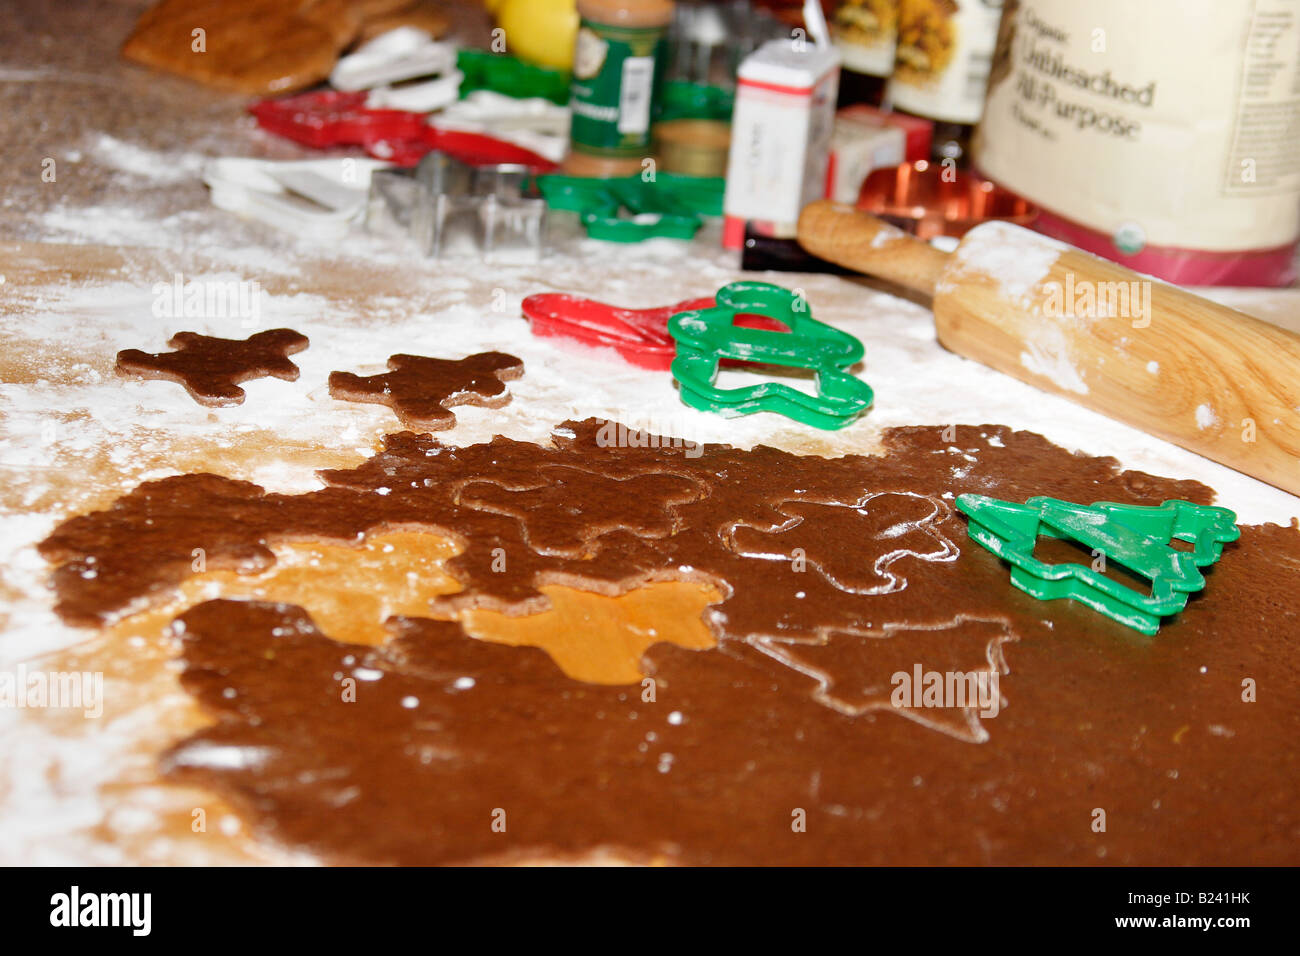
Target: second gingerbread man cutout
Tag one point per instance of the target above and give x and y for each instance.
(421, 390)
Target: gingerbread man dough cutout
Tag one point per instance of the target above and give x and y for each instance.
(421, 390)
(211, 368)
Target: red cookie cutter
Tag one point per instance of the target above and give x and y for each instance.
(331, 118)
(640, 336)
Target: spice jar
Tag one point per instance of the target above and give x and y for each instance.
(614, 66)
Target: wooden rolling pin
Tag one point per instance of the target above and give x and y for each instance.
(1203, 376)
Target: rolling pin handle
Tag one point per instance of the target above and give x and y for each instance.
(841, 234)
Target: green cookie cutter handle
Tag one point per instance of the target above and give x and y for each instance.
(611, 227)
(510, 76)
(706, 336)
(1133, 536)
(668, 206)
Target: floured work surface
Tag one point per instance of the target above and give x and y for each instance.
(441, 654)
(772, 735)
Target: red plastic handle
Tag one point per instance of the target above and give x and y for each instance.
(639, 335)
(332, 118)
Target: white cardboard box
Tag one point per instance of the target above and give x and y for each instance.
(780, 136)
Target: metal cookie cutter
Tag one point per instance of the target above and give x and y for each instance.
(451, 208)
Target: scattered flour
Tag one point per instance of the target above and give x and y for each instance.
(1048, 355)
(1019, 259)
(74, 416)
(887, 234)
(158, 167)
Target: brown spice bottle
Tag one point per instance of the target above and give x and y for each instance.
(614, 67)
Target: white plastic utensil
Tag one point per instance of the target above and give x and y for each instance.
(417, 97)
(405, 53)
(534, 123)
(316, 197)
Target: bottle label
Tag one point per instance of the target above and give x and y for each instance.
(1109, 115)
(865, 32)
(945, 51)
(613, 84)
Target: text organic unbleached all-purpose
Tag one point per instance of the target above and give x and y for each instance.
(1165, 133)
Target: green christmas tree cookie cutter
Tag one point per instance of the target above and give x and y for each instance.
(668, 206)
(1132, 536)
(706, 336)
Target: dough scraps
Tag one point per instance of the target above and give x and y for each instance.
(783, 743)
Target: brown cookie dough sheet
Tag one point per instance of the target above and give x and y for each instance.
(446, 739)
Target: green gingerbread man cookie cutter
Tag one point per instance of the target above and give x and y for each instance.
(705, 337)
(1133, 536)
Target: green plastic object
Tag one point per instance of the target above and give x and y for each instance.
(1132, 536)
(681, 100)
(510, 76)
(632, 208)
(707, 336)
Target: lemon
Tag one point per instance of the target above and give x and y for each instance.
(540, 31)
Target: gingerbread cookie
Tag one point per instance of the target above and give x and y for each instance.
(265, 47)
(211, 368)
(421, 390)
(369, 9)
(258, 47)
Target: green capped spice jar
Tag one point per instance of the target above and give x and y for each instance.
(614, 66)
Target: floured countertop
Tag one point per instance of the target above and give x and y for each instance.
(87, 268)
